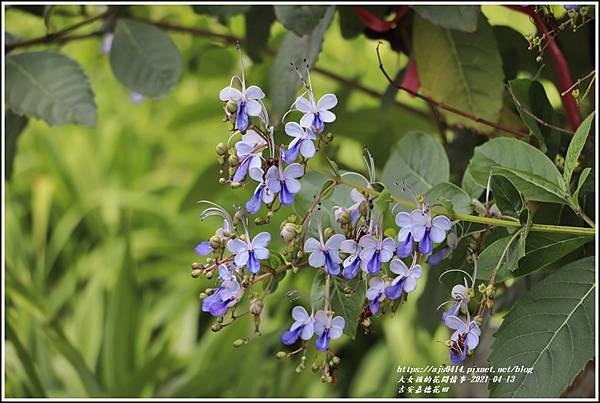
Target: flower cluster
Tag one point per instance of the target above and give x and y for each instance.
(353, 248)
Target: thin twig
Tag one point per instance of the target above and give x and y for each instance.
(446, 107)
(571, 88)
(532, 115)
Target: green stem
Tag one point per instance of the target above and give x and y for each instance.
(466, 217)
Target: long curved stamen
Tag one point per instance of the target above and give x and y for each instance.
(407, 189)
(444, 303)
(237, 45)
(474, 270)
(370, 163)
(319, 226)
(453, 270)
(215, 210)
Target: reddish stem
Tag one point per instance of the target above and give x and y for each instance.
(562, 68)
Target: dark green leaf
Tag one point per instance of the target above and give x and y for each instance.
(258, 27)
(506, 196)
(458, 198)
(576, 146)
(417, 161)
(515, 55)
(284, 81)
(32, 374)
(501, 256)
(300, 19)
(461, 69)
(14, 125)
(49, 86)
(531, 100)
(551, 330)
(532, 186)
(144, 58)
(350, 24)
(347, 305)
(542, 249)
(463, 18)
(584, 174)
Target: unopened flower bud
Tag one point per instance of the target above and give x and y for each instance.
(281, 354)
(233, 159)
(329, 379)
(243, 237)
(256, 306)
(575, 93)
(221, 149)
(231, 171)
(328, 138)
(239, 342)
(300, 254)
(237, 217)
(328, 233)
(222, 180)
(197, 266)
(202, 295)
(209, 275)
(231, 106)
(336, 360)
(216, 327)
(481, 288)
(214, 242)
(259, 221)
(315, 367)
(539, 59)
(196, 273)
(345, 217)
(288, 232)
(235, 185)
(490, 291)
(470, 292)
(226, 233)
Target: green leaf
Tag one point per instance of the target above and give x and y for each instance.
(463, 18)
(347, 306)
(300, 19)
(49, 86)
(502, 255)
(515, 55)
(532, 186)
(351, 25)
(33, 377)
(284, 81)
(121, 327)
(471, 187)
(144, 58)
(542, 249)
(418, 161)
(584, 174)
(530, 99)
(529, 169)
(14, 125)
(551, 330)
(575, 147)
(459, 199)
(258, 27)
(383, 201)
(507, 197)
(461, 69)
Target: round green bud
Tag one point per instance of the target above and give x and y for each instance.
(214, 242)
(209, 275)
(539, 59)
(288, 232)
(328, 233)
(231, 171)
(216, 327)
(239, 342)
(336, 360)
(345, 217)
(202, 295)
(235, 185)
(231, 106)
(259, 221)
(315, 367)
(221, 149)
(481, 288)
(196, 273)
(233, 160)
(222, 180)
(575, 93)
(281, 354)
(197, 266)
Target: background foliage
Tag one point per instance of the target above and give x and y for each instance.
(101, 218)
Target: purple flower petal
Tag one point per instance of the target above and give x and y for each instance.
(322, 342)
(203, 248)
(253, 263)
(241, 120)
(374, 306)
(394, 291)
(374, 265)
(290, 337)
(425, 245)
(351, 270)
(332, 267)
(405, 248)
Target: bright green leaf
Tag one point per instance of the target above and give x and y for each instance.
(14, 125)
(459, 199)
(576, 146)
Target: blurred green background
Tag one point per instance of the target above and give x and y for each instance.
(101, 224)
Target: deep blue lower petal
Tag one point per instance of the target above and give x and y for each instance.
(241, 119)
(285, 197)
(437, 257)
(242, 170)
(290, 337)
(425, 245)
(374, 264)
(351, 271)
(374, 306)
(322, 342)
(405, 248)
(318, 124)
(331, 267)
(291, 154)
(457, 357)
(395, 291)
(253, 263)
(254, 204)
